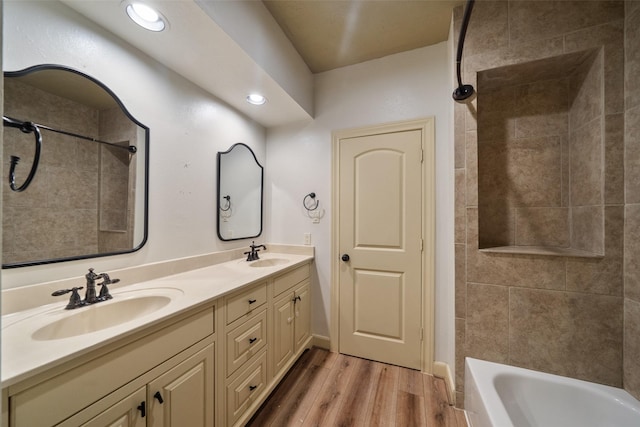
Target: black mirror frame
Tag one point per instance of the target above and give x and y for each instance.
(218, 156)
(43, 67)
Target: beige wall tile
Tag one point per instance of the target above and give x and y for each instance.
(587, 229)
(531, 20)
(509, 270)
(632, 155)
(460, 281)
(496, 223)
(611, 37)
(488, 27)
(496, 114)
(471, 142)
(586, 94)
(565, 333)
(526, 52)
(631, 252)
(565, 172)
(459, 135)
(542, 108)
(632, 58)
(632, 347)
(614, 159)
(460, 206)
(587, 168)
(631, 6)
(604, 275)
(460, 353)
(487, 326)
(534, 171)
(542, 227)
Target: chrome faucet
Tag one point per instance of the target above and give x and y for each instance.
(90, 293)
(252, 255)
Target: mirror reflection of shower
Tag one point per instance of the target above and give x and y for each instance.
(88, 197)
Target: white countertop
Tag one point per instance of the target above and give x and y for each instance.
(23, 356)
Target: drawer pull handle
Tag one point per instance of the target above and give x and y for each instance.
(159, 397)
(252, 387)
(252, 340)
(251, 301)
(143, 409)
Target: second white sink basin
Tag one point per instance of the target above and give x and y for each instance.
(269, 262)
(123, 308)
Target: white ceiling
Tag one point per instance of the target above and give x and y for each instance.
(231, 48)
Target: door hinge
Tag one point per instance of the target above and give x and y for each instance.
(421, 245)
(421, 156)
(421, 334)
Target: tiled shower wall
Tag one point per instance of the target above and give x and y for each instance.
(43, 210)
(539, 151)
(561, 315)
(117, 179)
(36, 221)
(632, 203)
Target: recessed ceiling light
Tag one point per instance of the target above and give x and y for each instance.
(256, 99)
(146, 16)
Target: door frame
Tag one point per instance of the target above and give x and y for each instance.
(427, 128)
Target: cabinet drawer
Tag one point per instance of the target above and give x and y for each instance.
(245, 341)
(246, 389)
(284, 282)
(246, 302)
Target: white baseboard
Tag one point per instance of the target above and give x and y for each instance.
(322, 342)
(441, 370)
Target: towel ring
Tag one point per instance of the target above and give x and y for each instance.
(306, 205)
(228, 198)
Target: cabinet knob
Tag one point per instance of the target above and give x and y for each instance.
(345, 257)
(252, 340)
(251, 301)
(252, 387)
(158, 396)
(142, 407)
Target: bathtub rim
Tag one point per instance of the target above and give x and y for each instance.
(481, 392)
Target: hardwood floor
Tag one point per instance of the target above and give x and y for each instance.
(331, 389)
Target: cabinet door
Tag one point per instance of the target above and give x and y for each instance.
(123, 414)
(183, 396)
(302, 308)
(283, 331)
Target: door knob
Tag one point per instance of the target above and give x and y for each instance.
(345, 257)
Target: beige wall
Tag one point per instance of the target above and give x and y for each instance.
(556, 314)
(632, 202)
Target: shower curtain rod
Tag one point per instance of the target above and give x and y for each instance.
(130, 148)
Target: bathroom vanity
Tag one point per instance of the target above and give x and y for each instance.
(200, 348)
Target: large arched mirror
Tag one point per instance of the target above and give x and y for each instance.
(88, 197)
(240, 178)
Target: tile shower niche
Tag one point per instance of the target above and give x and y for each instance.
(540, 156)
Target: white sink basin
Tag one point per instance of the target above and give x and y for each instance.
(124, 307)
(269, 262)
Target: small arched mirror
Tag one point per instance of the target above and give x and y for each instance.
(240, 178)
(88, 196)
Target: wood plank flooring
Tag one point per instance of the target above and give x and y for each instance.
(331, 389)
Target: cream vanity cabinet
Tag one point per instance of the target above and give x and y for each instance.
(246, 350)
(267, 327)
(118, 385)
(291, 317)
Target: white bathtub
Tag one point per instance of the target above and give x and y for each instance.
(505, 396)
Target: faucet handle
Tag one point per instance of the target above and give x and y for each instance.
(104, 291)
(75, 300)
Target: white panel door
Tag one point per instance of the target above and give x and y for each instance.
(380, 221)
